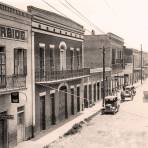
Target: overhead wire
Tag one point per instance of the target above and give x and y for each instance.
(82, 18)
(51, 6)
(100, 30)
(74, 9)
(61, 91)
(108, 5)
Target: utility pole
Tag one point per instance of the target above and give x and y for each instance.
(141, 63)
(133, 72)
(103, 76)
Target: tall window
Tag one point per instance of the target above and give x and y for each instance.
(72, 57)
(51, 56)
(62, 47)
(78, 57)
(2, 67)
(42, 59)
(20, 61)
(113, 56)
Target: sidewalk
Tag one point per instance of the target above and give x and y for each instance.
(45, 140)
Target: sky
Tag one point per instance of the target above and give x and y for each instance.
(125, 18)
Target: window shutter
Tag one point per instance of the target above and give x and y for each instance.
(15, 61)
(25, 61)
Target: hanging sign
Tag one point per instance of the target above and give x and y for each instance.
(15, 97)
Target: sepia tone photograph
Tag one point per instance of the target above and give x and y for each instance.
(73, 74)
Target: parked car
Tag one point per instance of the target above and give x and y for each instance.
(128, 91)
(111, 104)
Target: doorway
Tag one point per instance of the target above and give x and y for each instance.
(72, 101)
(53, 118)
(78, 99)
(42, 113)
(63, 112)
(20, 124)
(3, 132)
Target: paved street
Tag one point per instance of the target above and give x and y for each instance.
(128, 128)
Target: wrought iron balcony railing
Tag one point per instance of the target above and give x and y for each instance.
(59, 75)
(12, 82)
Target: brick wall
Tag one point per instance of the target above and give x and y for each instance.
(93, 56)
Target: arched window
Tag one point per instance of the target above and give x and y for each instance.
(62, 47)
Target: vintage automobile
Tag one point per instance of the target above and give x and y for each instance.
(128, 92)
(111, 104)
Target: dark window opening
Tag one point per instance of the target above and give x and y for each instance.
(20, 61)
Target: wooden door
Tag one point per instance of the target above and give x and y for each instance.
(42, 113)
(53, 118)
(63, 113)
(3, 133)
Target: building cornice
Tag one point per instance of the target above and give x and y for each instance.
(13, 10)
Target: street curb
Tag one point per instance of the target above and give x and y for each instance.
(93, 115)
(83, 120)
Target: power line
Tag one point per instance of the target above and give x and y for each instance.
(62, 91)
(78, 13)
(84, 16)
(51, 6)
(108, 5)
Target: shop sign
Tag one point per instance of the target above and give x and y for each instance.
(12, 33)
(15, 97)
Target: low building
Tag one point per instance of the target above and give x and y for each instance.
(15, 76)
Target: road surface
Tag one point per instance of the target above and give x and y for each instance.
(126, 129)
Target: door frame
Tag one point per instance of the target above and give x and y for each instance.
(18, 112)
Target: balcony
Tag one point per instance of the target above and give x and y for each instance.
(54, 76)
(116, 68)
(12, 83)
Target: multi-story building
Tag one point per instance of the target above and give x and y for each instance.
(57, 47)
(93, 57)
(15, 76)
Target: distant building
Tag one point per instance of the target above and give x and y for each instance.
(15, 76)
(93, 58)
(57, 46)
(132, 71)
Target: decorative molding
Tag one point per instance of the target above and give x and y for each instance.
(54, 34)
(52, 91)
(13, 10)
(72, 86)
(42, 44)
(42, 94)
(71, 48)
(52, 46)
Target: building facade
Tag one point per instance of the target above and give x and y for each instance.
(57, 46)
(132, 65)
(93, 57)
(93, 86)
(15, 76)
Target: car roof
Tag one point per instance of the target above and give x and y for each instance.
(111, 98)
